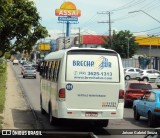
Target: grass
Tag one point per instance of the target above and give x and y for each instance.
(2, 90)
(1, 118)
(3, 77)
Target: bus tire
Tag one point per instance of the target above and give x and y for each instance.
(42, 110)
(52, 120)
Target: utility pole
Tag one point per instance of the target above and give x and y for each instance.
(150, 46)
(128, 39)
(79, 35)
(109, 22)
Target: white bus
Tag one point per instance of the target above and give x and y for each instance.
(83, 84)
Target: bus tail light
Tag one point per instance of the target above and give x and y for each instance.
(121, 95)
(62, 94)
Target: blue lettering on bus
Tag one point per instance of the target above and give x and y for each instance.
(100, 63)
(83, 63)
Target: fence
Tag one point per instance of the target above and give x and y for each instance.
(154, 63)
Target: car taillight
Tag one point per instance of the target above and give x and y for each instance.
(62, 94)
(128, 91)
(156, 109)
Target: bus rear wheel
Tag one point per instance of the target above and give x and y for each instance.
(52, 120)
(42, 110)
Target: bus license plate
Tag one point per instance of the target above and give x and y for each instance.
(91, 114)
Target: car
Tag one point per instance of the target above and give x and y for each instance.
(27, 63)
(148, 106)
(23, 68)
(148, 75)
(134, 90)
(15, 61)
(35, 66)
(157, 81)
(131, 73)
(29, 72)
(22, 60)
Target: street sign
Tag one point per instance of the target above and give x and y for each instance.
(67, 18)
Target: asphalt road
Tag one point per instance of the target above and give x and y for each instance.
(31, 89)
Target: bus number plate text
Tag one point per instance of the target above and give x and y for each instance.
(91, 114)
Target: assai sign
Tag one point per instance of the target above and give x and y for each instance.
(68, 9)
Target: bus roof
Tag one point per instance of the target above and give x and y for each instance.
(60, 53)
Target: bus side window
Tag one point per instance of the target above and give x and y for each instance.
(41, 68)
(44, 67)
(46, 70)
(49, 70)
(53, 70)
(57, 71)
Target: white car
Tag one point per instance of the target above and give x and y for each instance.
(131, 73)
(15, 61)
(157, 81)
(148, 75)
(23, 68)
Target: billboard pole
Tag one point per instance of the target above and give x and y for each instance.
(67, 29)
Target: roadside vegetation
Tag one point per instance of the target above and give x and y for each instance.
(20, 26)
(3, 75)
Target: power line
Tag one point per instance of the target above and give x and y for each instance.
(128, 5)
(147, 30)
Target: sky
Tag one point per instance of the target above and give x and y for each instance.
(123, 16)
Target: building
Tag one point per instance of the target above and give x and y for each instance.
(149, 45)
(64, 43)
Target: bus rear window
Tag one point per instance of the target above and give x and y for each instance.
(94, 66)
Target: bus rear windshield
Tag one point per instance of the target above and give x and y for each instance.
(101, 66)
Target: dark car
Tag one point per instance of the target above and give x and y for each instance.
(134, 90)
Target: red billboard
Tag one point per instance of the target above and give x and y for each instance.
(93, 39)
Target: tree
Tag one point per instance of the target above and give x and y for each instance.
(19, 26)
(7, 55)
(120, 43)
